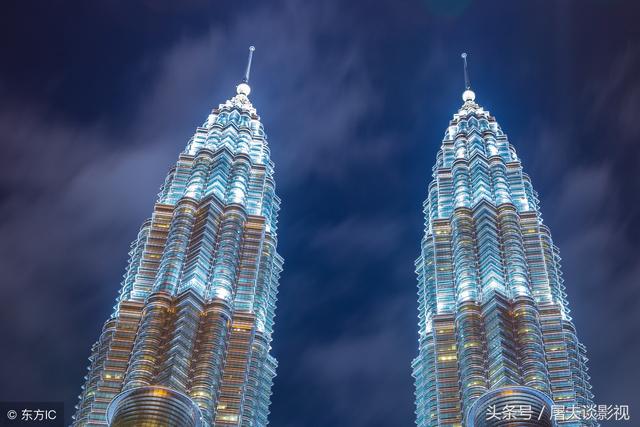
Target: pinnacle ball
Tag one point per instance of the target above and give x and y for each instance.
(468, 95)
(243, 89)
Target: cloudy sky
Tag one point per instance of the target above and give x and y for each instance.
(98, 98)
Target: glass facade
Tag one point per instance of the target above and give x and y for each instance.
(493, 310)
(195, 314)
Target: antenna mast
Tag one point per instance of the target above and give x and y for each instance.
(467, 82)
(248, 71)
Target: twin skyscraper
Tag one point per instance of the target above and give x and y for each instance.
(189, 341)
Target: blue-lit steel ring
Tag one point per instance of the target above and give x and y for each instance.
(153, 403)
(513, 395)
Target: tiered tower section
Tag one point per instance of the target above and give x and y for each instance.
(493, 312)
(191, 331)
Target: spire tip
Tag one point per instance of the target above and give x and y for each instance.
(468, 94)
(467, 83)
(243, 87)
(248, 70)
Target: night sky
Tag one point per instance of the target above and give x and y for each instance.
(98, 98)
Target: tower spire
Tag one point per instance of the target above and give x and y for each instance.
(248, 71)
(243, 88)
(468, 94)
(467, 83)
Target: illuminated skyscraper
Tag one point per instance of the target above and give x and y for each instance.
(188, 343)
(494, 324)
